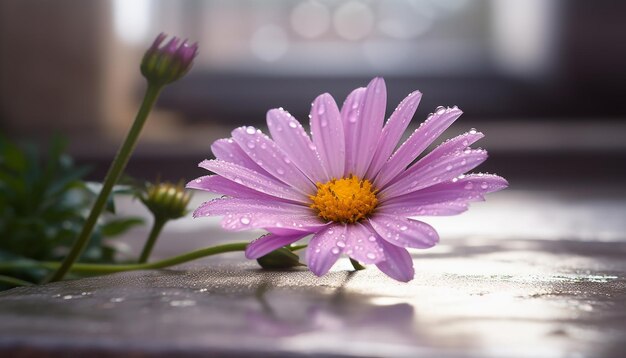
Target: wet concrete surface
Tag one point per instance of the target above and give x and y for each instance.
(527, 274)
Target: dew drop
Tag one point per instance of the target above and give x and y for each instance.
(341, 243)
(198, 181)
(440, 110)
(250, 130)
(469, 186)
(244, 220)
(312, 146)
(321, 109)
(472, 131)
(238, 180)
(250, 144)
(293, 124)
(371, 255)
(352, 118)
(286, 160)
(371, 238)
(449, 167)
(463, 162)
(335, 250)
(403, 228)
(484, 185)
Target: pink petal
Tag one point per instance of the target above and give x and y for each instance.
(350, 114)
(415, 145)
(253, 180)
(395, 127)
(438, 209)
(440, 170)
(270, 157)
(471, 187)
(323, 251)
(294, 140)
(404, 232)
(229, 151)
(226, 206)
(270, 242)
(398, 263)
(362, 245)
(328, 135)
(245, 214)
(221, 185)
(363, 131)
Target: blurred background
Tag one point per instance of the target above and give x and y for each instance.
(543, 79)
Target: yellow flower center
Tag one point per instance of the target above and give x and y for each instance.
(345, 200)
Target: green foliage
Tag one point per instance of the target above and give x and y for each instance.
(44, 203)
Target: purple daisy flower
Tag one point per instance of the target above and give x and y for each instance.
(344, 184)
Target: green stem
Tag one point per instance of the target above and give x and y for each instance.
(113, 175)
(13, 282)
(157, 226)
(104, 268)
(357, 266)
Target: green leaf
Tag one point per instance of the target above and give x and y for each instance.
(119, 226)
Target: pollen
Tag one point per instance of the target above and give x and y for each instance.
(345, 200)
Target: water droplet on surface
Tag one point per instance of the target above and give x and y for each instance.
(293, 124)
(484, 185)
(472, 131)
(469, 186)
(372, 238)
(286, 160)
(238, 181)
(182, 303)
(117, 299)
(352, 119)
(245, 220)
(335, 250)
(263, 145)
(371, 255)
(312, 146)
(250, 144)
(440, 110)
(449, 167)
(250, 130)
(463, 162)
(198, 181)
(403, 228)
(341, 243)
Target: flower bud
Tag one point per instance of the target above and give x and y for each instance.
(165, 64)
(166, 201)
(282, 258)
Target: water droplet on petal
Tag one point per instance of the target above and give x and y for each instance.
(250, 144)
(371, 255)
(198, 181)
(293, 124)
(371, 238)
(403, 228)
(321, 108)
(335, 250)
(250, 130)
(449, 167)
(323, 122)
(352, 119)
(469, 186)
(472, 131)
(238, 180)
(341, 243)
(484, 185)
(440, 110)
(245, 220)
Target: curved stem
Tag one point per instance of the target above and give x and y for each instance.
(157, 226)
(104, 268)
(113, 175)
(13, 282)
